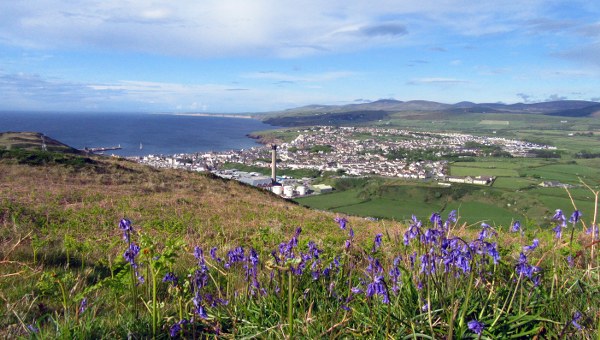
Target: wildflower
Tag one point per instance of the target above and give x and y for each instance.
(593, 229)
(534, 245)
(395, 273)
(125, 225)
(377, 285)
(451, 218)
(576, 318)
(575, 217)
(570, 261)
(200, 310)
(170, 277)
(176, 328)
(436, 220)
(132, 251)
(431, 236)
(425, 307)
(412, 258)
(213, 254)
(342, 222)
(476, 326)
(486, 232)
(413, 231)
(515, 227)
(32, 328)
(377, 242)
(525, 269)
(83, 305)
(558, 231)
(559, 216)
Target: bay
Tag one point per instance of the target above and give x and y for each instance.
(138, 133)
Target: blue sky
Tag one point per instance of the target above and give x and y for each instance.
(264, 55)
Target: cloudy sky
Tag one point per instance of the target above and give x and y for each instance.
(263, 55)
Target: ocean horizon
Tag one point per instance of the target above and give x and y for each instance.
(140, 133)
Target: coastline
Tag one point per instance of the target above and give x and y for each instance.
(214, 115)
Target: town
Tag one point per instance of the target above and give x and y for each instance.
(354, 151)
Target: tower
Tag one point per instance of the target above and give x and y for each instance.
(274, 163)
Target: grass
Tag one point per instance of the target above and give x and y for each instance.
(64, 274)
(399, 200)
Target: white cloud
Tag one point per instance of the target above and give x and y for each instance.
(236, 27)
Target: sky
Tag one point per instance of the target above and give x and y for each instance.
(234, 56)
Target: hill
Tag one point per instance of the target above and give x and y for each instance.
(34, 141)
(202, 257)
(353, 114)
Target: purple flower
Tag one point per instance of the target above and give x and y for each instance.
(534, 245)
(83, 305)
(356, 290)
(125, 225)
(342, 222)
(592, 229)
(523, 268)
(559, 216)
(32, 328)
(452, 216)
(558, 231)
(213, 254)
(377, 242)
(575, 217)
(132, 251)
(576, 318)
(436, 220)
(515, 227)
(486, 232)
(198, 254)
(170, 277)
(201, 311)
(176, 328)
(570, 261)
(476, 326)
(413, 231)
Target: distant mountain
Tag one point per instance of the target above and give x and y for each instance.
(381, 109)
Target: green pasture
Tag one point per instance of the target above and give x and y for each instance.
(331, 200)
(456, 170)
(514, 183)
(400, 202)
(568, 173)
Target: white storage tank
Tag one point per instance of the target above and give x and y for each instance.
(277, 190)
(288, 191)
(301, 190)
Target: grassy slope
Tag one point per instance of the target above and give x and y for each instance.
(68, 216)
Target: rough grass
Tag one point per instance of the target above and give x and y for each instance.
(60, 243)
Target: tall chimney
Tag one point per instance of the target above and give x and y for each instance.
(274, 162)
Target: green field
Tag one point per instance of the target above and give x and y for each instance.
(515, 192)
(392, 200)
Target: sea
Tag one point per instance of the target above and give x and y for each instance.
(139, 134)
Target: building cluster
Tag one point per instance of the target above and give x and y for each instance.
(358, 151)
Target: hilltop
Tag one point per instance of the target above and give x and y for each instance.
(34, 141)
(89, 194)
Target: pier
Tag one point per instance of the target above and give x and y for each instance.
(102, 149)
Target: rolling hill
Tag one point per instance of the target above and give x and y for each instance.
(353, 114)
